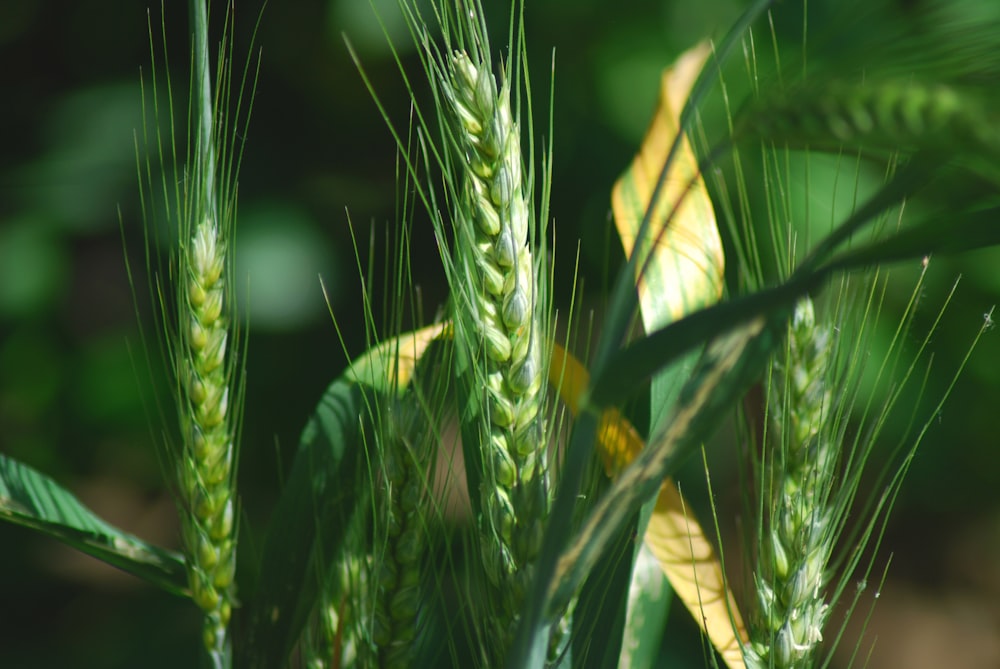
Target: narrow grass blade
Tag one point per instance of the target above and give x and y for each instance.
(602, 607)
(978, 230)
(31, 499)
(681, 270)
(648, 608)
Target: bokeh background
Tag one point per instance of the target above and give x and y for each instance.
(78, 399)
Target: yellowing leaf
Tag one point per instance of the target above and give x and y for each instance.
(673, 536)
(685, 271)
(688, 561)
(619, 441)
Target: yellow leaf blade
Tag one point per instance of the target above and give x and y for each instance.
(685, 271)
(689, 562)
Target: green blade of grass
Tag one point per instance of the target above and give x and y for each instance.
(30, 499)
(979, 230)
(682, 271)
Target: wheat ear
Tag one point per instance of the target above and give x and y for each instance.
(401, 540)
(206, 474)
(793, 571)
(337, 633)
(890, 114)
(495, 257)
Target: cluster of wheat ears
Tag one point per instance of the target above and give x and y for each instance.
(376, 556)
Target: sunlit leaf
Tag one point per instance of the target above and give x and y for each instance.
(685, 267)
(388, 367)
(689, 561)
(619, 441)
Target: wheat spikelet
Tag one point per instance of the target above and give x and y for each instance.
(494, 254)
(799, 544)
(206, 465)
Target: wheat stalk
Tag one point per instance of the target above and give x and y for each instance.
(203, 364)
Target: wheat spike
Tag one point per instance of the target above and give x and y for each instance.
(889, 114)
(492, 225)
(793, 571)
(206, 474)
(401, 540)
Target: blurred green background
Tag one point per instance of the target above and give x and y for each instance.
(78, 401)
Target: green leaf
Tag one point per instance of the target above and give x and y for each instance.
(977, 230)
(681, 270)
(600, 613)
(31, 499)
(308, 527)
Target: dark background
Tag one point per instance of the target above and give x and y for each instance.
(78, 402)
